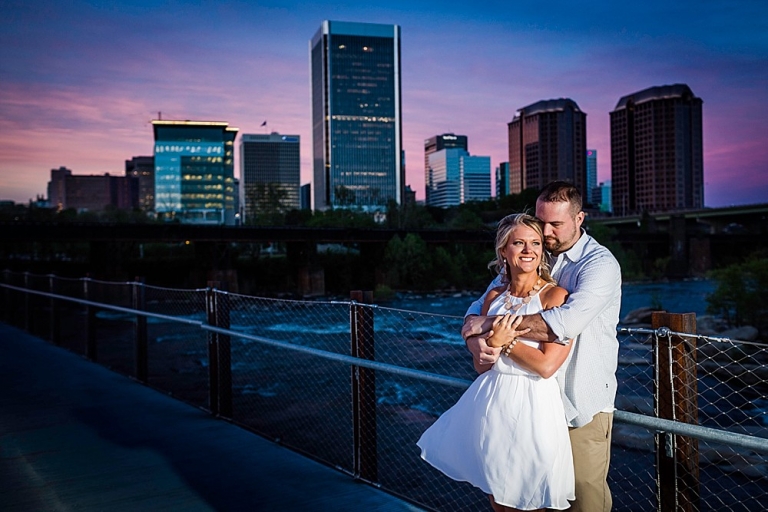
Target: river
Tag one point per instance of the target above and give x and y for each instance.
(724, 403)
(687, 296)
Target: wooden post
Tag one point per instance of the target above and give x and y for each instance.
(363, 388)
(141, 341)
(676, 396)
(55, 312)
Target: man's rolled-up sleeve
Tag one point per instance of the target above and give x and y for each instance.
(596, 288)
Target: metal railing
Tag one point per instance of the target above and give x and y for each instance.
(354, 385)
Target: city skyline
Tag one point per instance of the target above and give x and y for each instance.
(82, 81)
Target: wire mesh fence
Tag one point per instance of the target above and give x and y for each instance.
(293, 381)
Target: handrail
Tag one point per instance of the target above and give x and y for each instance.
(661, 425)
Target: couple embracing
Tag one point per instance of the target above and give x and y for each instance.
(533, 431)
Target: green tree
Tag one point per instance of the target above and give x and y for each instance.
(739, 296)
(410, 258)
(344, 196)
(408, 216)
(341, 218)
(631, 266)
(266, 204)
(466, 218)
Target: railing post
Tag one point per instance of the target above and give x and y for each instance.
(91, 348)
(7, 297)
(676, 398)
(25, 303)
(213, 353)
(219, 350)
(363, 388)
(142, 345)
(225, 352)
(55, 312)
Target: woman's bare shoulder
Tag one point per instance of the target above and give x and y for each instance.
(498, 290)
(491, 295)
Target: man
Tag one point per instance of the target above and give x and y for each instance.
(592, 277)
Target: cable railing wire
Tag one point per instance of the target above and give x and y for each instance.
(292, 375)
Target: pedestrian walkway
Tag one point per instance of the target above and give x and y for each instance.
(75, 436)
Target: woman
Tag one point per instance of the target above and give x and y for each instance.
(507, 434)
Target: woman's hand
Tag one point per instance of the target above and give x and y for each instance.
(505, 330)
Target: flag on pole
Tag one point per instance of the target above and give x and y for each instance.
(264, 123)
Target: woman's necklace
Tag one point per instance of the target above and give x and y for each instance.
(509, 305)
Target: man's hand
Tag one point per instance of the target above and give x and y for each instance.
(483, 356)
(475, 331)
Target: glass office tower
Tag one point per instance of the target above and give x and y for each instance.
(194, 171)
(356, 121)
(434, 144)
(458, 177)
(270, 170)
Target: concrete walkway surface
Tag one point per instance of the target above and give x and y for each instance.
(75, 436)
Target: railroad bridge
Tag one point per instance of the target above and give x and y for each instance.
(693, 241)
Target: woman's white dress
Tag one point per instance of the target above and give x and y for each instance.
(507, 434)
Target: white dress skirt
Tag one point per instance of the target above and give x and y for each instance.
(507, 434)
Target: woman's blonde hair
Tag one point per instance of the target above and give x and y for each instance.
(506, 225)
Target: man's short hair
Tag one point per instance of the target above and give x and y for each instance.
(560, 192)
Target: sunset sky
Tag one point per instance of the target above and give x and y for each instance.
(80, 81)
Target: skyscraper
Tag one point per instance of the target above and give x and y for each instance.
(436, 143)
(657, 151)
(356, 116)
(458, 177)
(194, 171)
(270, 172)
(547, 142)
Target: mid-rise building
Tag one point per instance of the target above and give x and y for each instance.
(592, 190)
(194, 171)
(502, 179)
(548, 142)
(458, 177)
(57, 188)
(434, 144)
(143, 169)
(605, 203)
(306, 196)
(657, 151)
(270, 171)
(356, 116)
(91, 193)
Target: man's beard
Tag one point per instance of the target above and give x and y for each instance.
(552, 244)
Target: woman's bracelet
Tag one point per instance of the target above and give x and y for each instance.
(507, 349)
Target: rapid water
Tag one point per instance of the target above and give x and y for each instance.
(674, 297)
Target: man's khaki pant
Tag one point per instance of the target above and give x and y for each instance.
(591, 445)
